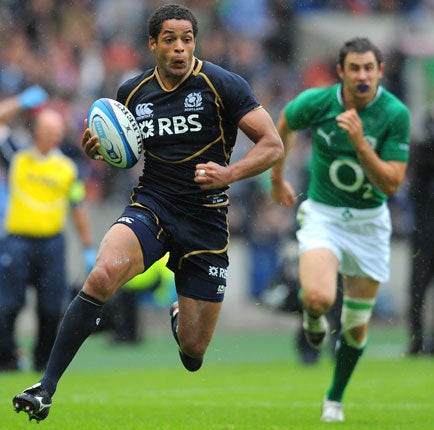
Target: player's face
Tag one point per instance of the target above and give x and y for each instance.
(360, 76)
(174, 50)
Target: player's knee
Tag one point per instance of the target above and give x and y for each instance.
(356, 314)
(317, 301)
(193, 347)
(98, 284)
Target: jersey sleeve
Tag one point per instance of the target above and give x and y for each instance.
(132, 85)
(128, 86)
(237, 96)
(300, 111)
(397, 144)
(124, 91)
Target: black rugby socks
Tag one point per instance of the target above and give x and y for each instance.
(80, 320)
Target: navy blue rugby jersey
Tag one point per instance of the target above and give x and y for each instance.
(195, 122)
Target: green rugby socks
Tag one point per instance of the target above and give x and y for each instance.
(346, 360)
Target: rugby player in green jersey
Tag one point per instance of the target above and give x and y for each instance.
(360, 146)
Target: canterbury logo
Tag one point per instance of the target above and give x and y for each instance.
(126, 219)
(144, 110)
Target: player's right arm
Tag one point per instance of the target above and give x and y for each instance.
(386, 175)
(258, 126)
(281, 190)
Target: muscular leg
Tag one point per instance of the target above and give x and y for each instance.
(196, 324)
(318, 278)
(119, 259)
(196, 328)
(360, 295)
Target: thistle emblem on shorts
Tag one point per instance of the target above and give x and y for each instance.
(346, 215)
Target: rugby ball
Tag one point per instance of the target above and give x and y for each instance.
(118, 132)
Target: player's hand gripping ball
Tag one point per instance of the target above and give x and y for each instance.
(118, 132)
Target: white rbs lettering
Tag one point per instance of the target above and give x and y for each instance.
(197, 126)
(179, 125)
(164, 126)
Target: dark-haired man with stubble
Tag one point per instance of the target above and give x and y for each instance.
(360, 142)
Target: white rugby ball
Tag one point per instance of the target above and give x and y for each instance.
(118, 132)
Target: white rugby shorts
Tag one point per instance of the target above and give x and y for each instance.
(360, 238)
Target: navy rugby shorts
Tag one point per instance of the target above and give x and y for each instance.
(197, 242)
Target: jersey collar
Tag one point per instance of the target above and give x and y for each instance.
(372, 102)
(187, 75)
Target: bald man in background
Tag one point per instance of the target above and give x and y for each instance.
(43, 186)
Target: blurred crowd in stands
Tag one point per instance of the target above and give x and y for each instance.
(83, 49)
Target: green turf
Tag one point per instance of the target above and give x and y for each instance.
(249, 381)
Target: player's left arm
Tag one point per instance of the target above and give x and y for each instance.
(268, 149)
(387, 176)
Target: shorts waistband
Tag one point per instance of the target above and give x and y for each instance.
(347, 213)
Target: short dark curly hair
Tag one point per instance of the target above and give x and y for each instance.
(170, 11)
(359, 45)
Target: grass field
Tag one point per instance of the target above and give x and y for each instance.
(249, 381)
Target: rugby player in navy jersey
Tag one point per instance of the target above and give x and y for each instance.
(189, 112)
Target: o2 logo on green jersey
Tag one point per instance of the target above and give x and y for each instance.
(353, 174)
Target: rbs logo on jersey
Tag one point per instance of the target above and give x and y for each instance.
(179, 124)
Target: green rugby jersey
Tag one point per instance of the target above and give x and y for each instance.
(337, 178)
